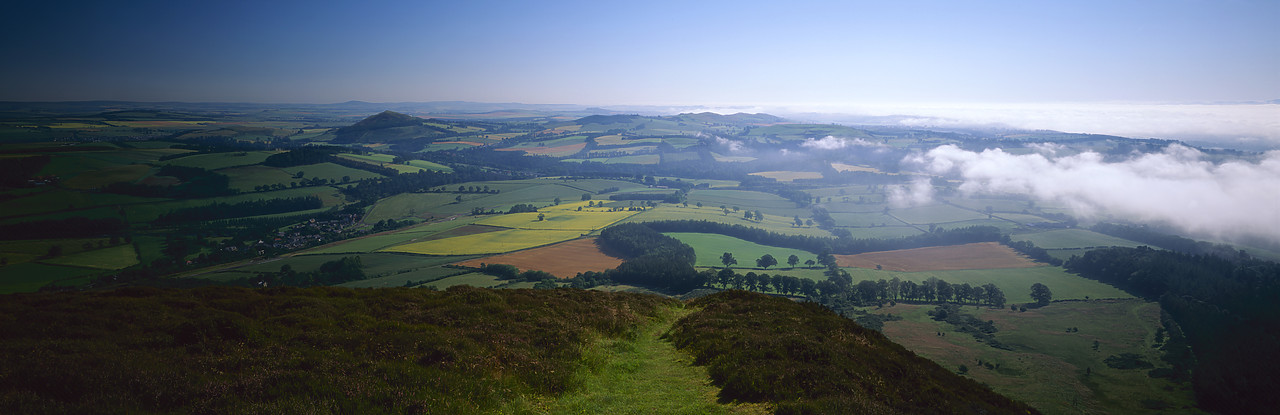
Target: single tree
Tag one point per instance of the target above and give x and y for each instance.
(1041, 294)
(766, 261)
(728, 260)
(541, 217)
(793, 260)
(798, 222)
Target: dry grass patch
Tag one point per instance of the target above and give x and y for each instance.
(563, 260)
(984, 255)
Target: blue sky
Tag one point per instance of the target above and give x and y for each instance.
(643, 52)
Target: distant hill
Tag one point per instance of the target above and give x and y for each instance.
(388, 126)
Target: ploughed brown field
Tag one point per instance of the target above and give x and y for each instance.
(564, 260)
(984, 255)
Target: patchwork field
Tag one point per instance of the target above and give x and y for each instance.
(985, 255)
(1015, 282)
(563, 260)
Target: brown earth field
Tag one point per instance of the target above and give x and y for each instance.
(564, 260)
(984, 255)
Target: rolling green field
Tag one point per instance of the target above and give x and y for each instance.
(486, 243)
(772, 223)
(937, 213)
(1072, 238)
(709, 247)
(30, 276)
(111, 258)
(217, 161)
(1054, 370)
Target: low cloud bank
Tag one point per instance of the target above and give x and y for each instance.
(1176, 187)
(836, 143)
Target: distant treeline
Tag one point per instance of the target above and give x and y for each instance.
(217, 211)
(1227, 309)
(816, 244)
(77, 227)
(1034, 252)
(1171, 242)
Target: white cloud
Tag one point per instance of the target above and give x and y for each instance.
(1176, 186)
(919, 192)
(835, 143)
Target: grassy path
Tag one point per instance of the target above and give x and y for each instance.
(644, 375)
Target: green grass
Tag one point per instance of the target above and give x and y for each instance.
(938, 213)
(1072, 238)
(1047, 367)
(574, 139)
(246, 178)
(644, 374)
(151, 211)
(376, 242)
(30, 276)
(474, 279)
(111, 258)
(709, 247)
(772, 223)
(57, 200)
(424, 276)
(330, 171)
(745, 199)
(884, 232)
(217, 161)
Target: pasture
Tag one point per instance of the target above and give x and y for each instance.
(217, 161)
(561, 217)
(106, 176)
(1072, 238)
(709, 247)
(1056, 371)
(772, 223)
(110, 258)
(985, 255)
(936, 213)
(486, 243)
(564, 260)
(30, 276)
(474, 279)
